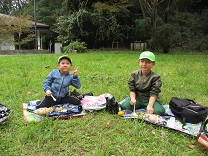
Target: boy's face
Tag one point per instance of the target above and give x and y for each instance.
(146, 65)
(64, 66)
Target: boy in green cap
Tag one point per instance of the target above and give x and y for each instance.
(144, 86)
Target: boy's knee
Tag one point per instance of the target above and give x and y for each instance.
(160, 111)
(125, 104)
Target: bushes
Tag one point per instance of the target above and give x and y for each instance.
(81, 47)
(184, 31)
(164, 37)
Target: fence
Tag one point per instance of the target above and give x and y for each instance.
(19, 52)
(138, 46)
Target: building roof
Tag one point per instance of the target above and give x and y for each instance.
(38, 25)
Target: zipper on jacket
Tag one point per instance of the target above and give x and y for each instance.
(60, 88)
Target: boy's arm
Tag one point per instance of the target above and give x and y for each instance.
(131, 83)
(154, 93)
(47, 82)
(156, 87)
(76, 82)
(150, 109)
(133, 98)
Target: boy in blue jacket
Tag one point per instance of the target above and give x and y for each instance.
(56, 84)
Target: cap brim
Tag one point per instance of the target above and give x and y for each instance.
(61, 57)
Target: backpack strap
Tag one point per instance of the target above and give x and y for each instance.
(182, 120)
(204, 129)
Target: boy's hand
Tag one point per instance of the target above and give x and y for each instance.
(150, 110)
(133, 101)
(75, 72)
(48, 93)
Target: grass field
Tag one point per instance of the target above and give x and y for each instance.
(98, 133)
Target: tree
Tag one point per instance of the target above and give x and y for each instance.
(83, 26)
(21, 25)
(113, 5)
(120, 20)
(164, 37)
(142, 32)
(149, 10)
(99, 22)
(17, 26)
(11, 6)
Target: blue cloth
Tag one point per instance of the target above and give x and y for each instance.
(59, 84)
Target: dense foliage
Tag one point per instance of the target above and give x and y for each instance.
(163, 24)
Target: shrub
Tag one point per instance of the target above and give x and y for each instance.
(81, 47)
(165, 37)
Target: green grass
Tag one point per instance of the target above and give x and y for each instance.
(98, 133)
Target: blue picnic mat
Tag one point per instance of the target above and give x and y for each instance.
(167, 120)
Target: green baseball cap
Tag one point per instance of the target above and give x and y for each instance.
(64, 56)
(148, 55)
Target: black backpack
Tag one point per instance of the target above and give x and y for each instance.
(78, 95)
(186, 110)
(112, 107)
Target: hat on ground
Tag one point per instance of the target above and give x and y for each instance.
(64, 56)
(148, 55)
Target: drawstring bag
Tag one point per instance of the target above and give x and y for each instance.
(112, 106)
(79, 95)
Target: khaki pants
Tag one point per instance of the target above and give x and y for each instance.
(158, 108)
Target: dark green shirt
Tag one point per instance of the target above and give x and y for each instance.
(145, 87)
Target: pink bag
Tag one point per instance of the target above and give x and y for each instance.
(91, 103)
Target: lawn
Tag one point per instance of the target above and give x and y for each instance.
(98, 133)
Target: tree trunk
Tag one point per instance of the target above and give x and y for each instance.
(167, 11)
(153, 16)
(142, 8)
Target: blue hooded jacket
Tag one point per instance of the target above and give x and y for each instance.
(59, 84)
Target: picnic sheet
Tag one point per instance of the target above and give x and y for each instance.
(168, 120)
(65, 111)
